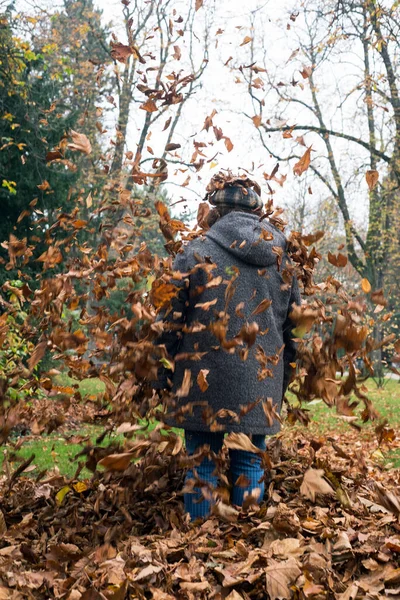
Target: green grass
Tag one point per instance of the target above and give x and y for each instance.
(386, 401)
(54, 452)
(87, 387)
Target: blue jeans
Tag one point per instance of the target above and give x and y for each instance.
(241, 463)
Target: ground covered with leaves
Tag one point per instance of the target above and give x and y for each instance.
(328, 528)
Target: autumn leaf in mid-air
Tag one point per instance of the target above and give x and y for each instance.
(339, 260)
(149, 106)
(372, 178)
(80, 142)
(246, 40)
(304, 162)
(366, 286)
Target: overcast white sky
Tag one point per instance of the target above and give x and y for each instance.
(274, 45)
(219, 89)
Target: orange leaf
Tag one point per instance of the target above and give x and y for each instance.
(246, 40)
(228, 144)
(199, 4)
(303, 163)
(366, 286)
(149, 106)
(372, 179)
(256, 120)
(202, 379)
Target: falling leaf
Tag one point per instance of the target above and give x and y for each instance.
(372, 178)
(37, 354)
(167, 123)
(303, 164)
(339, 260)
(149, 106)
(240, 441)
(264, 304)
(170, 147)
(79, 142)
(209, 120)
(53, 155)
(116, 462)
(202, 379)
(228, 144)
(313, 483)
(306, 72)
(366, 286)
(177, 53)
(183, 391)
(246, 40)
(44, 185)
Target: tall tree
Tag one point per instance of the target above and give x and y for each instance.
(46, 93)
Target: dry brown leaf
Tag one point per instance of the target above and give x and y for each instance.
(302, 165)
(313, 483)
(37, 354)
(280, 576)
(116, 462)
(264, 304)
(202, 379)
(240, 441)
(80, 142)
(372, 178)
(186, 384)
(149, 106)
(246, 40)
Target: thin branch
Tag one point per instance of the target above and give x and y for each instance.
(323, 131)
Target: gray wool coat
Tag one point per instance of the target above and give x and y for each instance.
(202, 328)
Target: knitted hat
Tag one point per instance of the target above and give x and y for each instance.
(236, 197)
(234, 191)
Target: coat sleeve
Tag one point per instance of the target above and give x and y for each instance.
(173, 318)
(289, 352)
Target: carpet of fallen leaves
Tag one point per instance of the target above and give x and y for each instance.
(328, 528)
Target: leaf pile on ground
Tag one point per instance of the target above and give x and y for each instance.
(328, 528)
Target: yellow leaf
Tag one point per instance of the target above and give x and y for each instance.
(80, 487)
(61, 494)
(366, 286)
(89, 200)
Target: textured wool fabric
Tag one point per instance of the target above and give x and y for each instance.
(244, 252)
(241, 463)
(236, 196)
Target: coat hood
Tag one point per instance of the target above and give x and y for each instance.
(246, 237)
